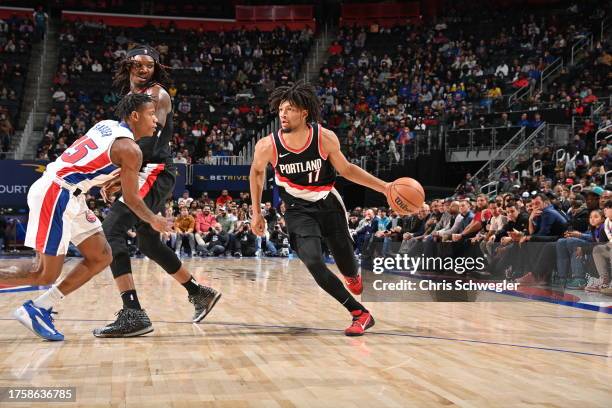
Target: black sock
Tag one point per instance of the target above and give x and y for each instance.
(192, 286)
(130, 300)
(351, 305)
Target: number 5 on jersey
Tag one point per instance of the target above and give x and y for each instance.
(79, 150)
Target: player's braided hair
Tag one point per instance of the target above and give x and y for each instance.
(130, 103)
(301, 95)
(121, 80)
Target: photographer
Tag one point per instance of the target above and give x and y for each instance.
(216, 241)
(278, 244)
(270, 215)
(245, 242)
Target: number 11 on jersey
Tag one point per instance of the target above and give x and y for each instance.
(316, 176)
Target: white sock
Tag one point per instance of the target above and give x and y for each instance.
(48, 299)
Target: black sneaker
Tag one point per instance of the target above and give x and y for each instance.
(203, 302)
(129, 323)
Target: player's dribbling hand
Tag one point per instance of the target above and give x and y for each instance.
(160, 224)
(258, 225)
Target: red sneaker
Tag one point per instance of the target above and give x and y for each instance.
(354, 284)
(362, 321)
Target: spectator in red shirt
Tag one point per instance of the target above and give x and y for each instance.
(578, 108)
(362, 106)
(223, 198)
(590, 98)
(335, 48)
(521, 82)
(587, 127)
(204, 220)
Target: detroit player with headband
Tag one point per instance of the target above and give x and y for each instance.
(305, 157)
(59, 214)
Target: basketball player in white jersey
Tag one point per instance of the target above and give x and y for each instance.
(59, 214)
(305, 157)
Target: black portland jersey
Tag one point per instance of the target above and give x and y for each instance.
(305, 173)
(156, 149)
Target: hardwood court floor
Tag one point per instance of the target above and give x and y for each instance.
(276, 340)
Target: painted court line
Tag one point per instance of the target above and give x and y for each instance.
(370, 333)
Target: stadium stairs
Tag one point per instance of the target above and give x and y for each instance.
(37, 98)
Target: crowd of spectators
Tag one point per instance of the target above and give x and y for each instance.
(551, 237)
(380, 87)
(206, 228)
(16, 37)
(578, 97)
(220, 82)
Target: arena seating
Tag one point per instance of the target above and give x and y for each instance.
(459, 72)
(16, 36)
(220, 80)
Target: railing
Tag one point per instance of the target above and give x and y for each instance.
(227, 160)
(26, 134)
(509, 145)
(597, 135)
(558, 134)
(495, 166)
(525, 147)
(520, 94)
(596, 109)
(29, 126)
(537, 167)
(559, 154)
(422, 144)
(579, 46)
(363, 160)
(550, 70)
(247, 151)
(607, 176)
(490, 189)
(315, 57)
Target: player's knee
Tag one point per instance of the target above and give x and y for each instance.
(103, 257)
(107, 255)
(149, 246)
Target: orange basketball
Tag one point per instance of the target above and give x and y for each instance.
(405, 195)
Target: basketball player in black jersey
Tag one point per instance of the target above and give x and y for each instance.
(305, 157)
(141, 72)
